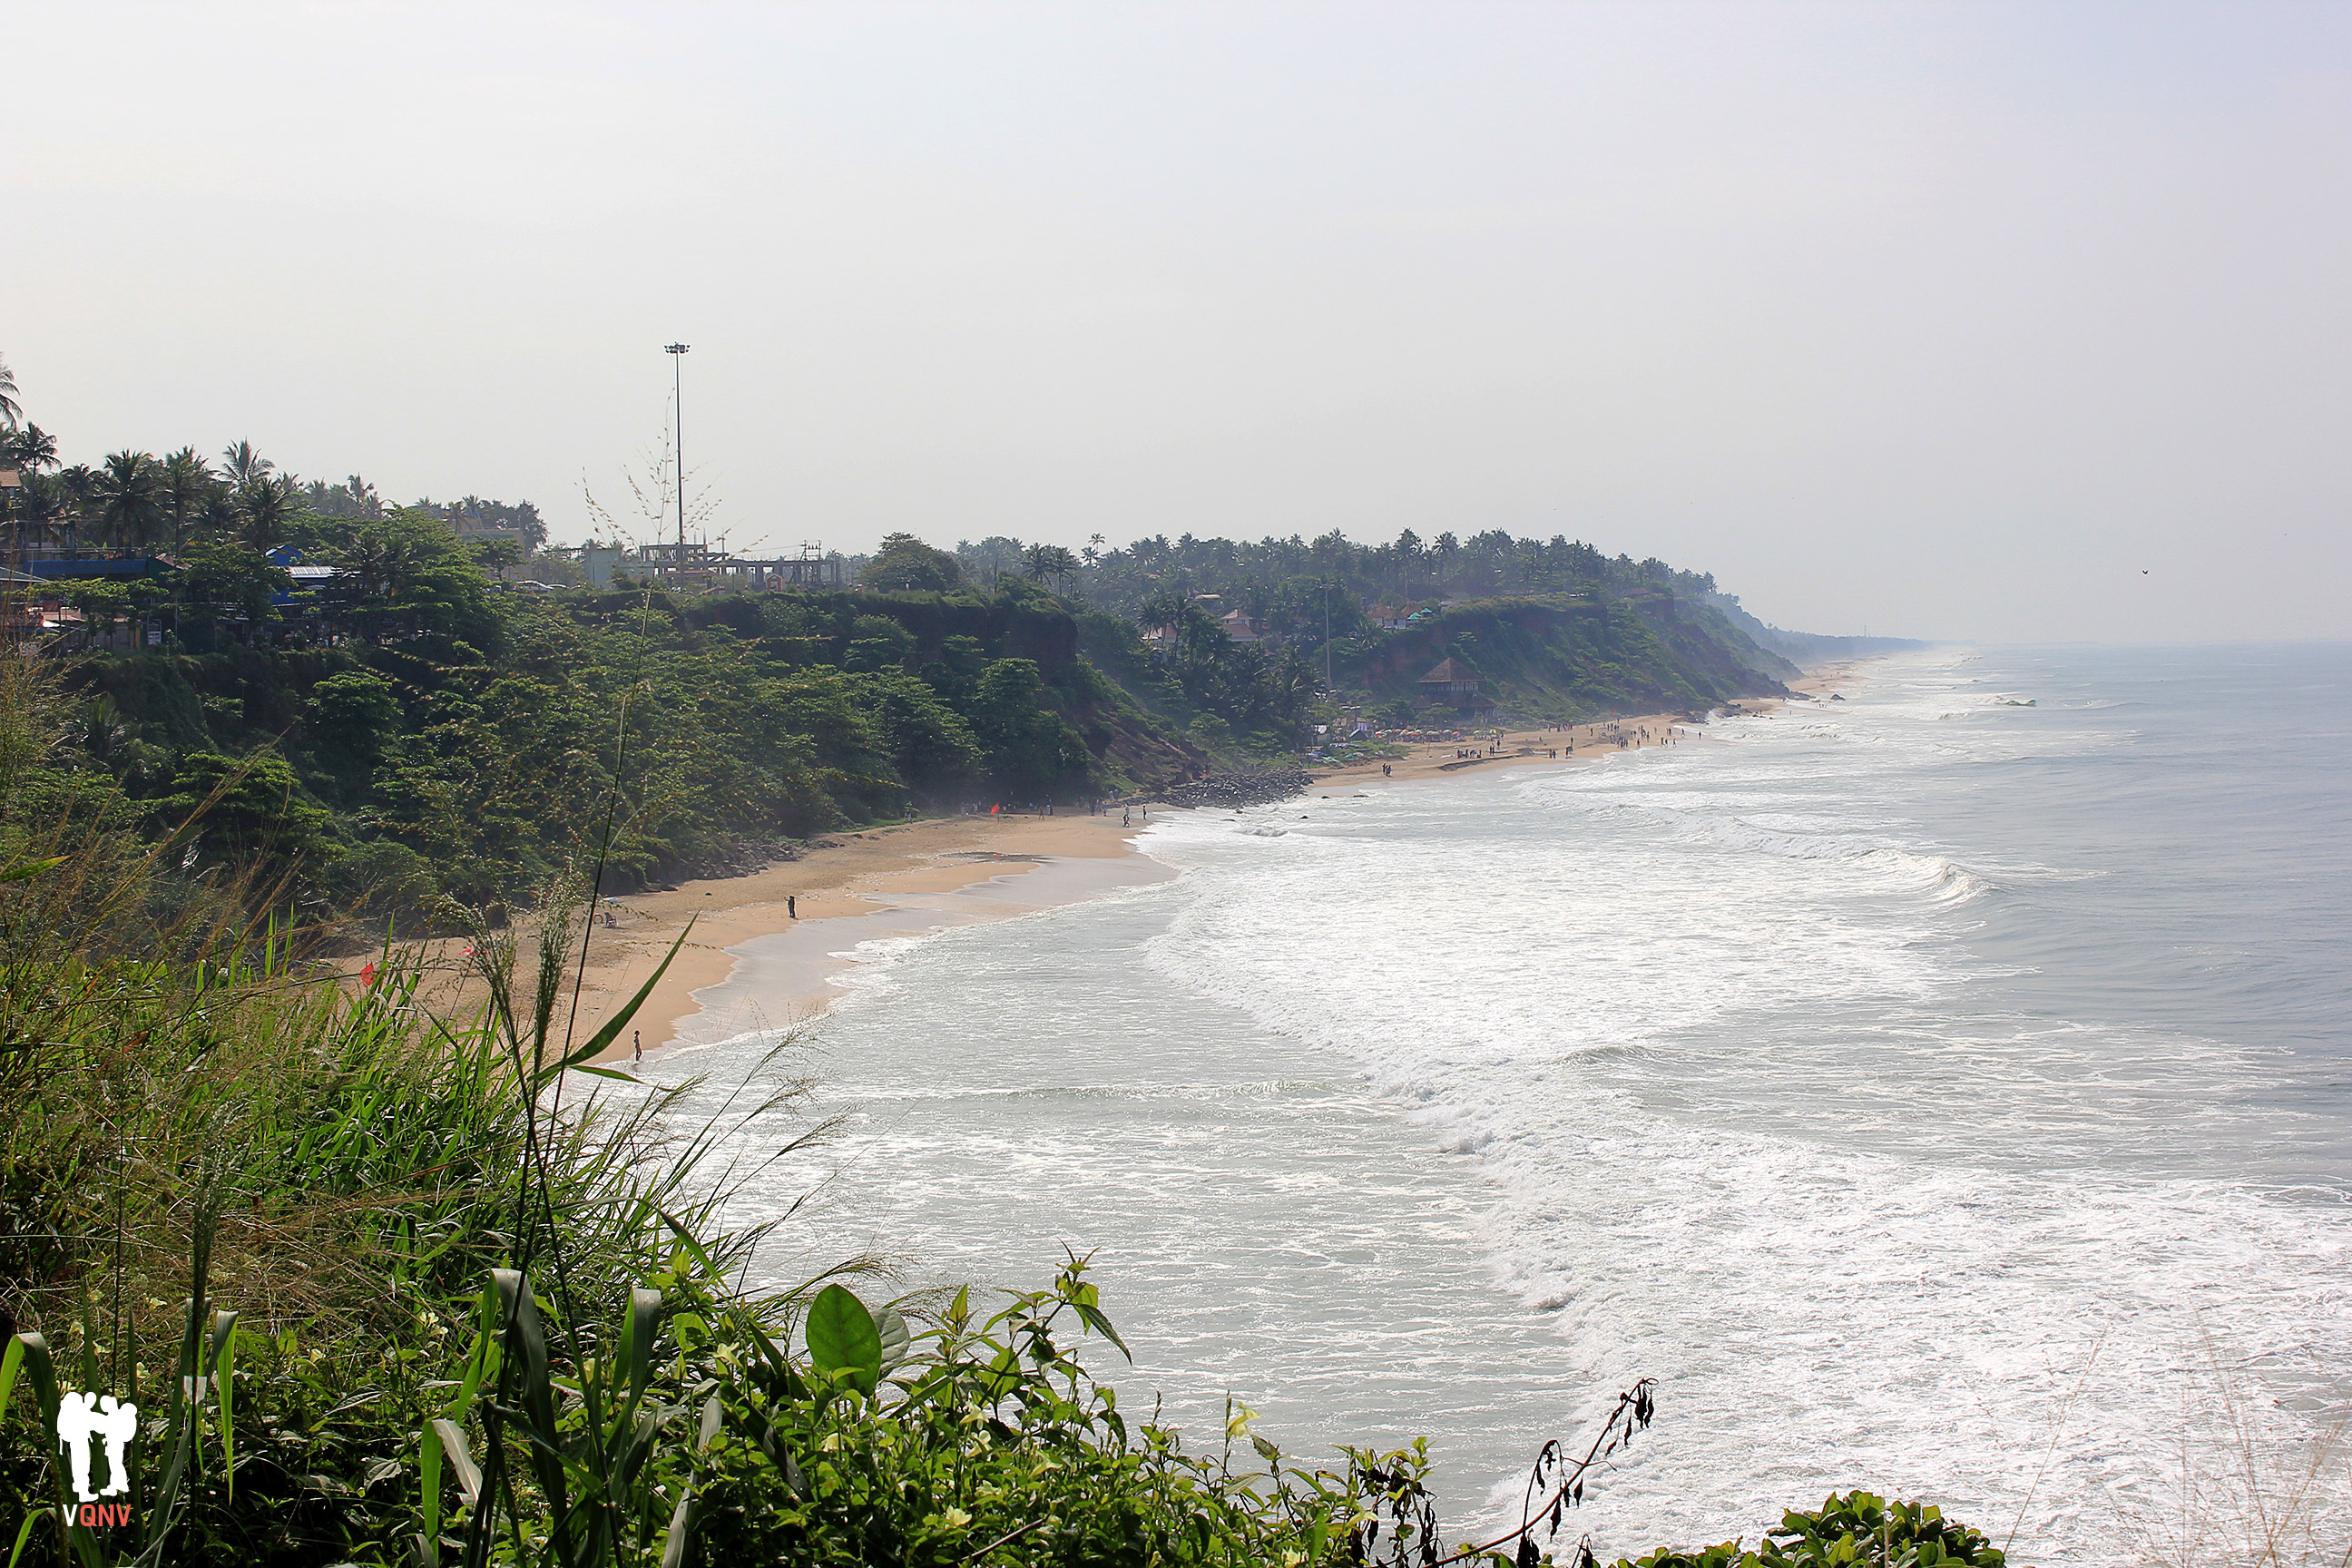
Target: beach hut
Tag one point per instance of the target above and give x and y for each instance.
(1452, 685)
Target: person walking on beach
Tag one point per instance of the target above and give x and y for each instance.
(1384, 771)
(792, 907)
(637, 1046)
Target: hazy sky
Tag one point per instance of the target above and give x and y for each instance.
(1947, 321)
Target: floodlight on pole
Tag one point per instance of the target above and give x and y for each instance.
(677, 395)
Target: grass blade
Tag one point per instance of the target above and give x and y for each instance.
(428, 1475)
(24, 1534)
(224, 1361)
(10, 1360)
(637, 1350)
(681, 1532)
(620, 1020)
(450, 1439)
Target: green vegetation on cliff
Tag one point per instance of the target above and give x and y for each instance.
(370, 712)
(433, 762)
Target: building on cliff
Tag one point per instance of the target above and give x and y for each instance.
(1450, 684)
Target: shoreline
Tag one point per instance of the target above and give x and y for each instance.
(936, 873)
(923, 876)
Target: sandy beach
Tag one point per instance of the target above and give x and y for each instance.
(850, 886)
(785, 934)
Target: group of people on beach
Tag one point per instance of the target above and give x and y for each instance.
(1611, 734)
(1617, 735)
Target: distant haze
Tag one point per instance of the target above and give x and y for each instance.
(2010, 323)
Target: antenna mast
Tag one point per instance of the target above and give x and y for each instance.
(678, 393)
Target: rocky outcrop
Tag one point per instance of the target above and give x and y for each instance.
(1239, 789)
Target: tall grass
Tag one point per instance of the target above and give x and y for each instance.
(200, 1110)
(2247, 1481)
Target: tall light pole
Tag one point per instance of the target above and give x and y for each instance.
(677, 352)
(1327, 636)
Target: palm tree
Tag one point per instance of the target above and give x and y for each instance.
(1291, 686)
(264, 504)
(131, 497)
(10, 409)
(188, 482)
(31, 449)
(1043, 561)
(220, 519)
(381, 564)
(243, 465)
(102, 730)
(80, 484)
(44, 505)
(372, 565)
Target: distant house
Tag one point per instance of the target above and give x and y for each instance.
(307, 577)
(1451, 685)
(597, 562)
(1238, 626)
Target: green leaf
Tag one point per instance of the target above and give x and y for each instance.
(1003, 1375)
(713, 1416)
(224, 1361)
(10, 1360)
(620, 1020)
(891, 1329)
(23, 1533)
(1092, 1316)
(428, 1470)
(450, 1438)
(527, 1341)
(681, 1533)
(841, 1337)
(23, 870)
(34, 1352)
(638, 1341)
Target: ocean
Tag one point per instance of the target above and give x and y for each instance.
(1944, 1091)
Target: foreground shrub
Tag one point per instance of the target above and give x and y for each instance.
(1852, 1528)
(932, 1437)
